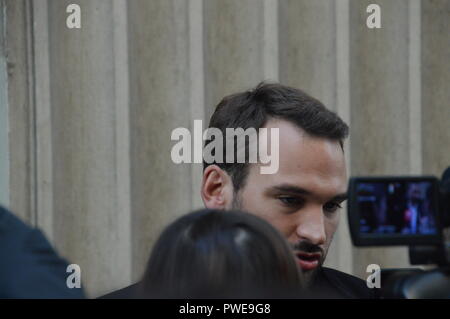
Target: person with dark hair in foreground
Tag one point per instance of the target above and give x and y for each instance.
(302, 200)
(216, 254)
(29, 267)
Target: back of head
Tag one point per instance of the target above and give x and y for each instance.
(218, 254)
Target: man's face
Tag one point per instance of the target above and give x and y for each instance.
(303, 198)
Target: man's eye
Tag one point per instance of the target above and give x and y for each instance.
(290, 201)
(332, 207)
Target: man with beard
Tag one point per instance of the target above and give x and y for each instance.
(303, 198)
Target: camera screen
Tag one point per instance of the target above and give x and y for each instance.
(396, 208)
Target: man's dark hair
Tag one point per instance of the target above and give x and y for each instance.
(253, 108)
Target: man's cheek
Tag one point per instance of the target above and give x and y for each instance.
(331, 226)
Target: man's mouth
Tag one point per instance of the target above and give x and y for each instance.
(308, 261)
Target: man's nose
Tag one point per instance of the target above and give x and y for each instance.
(311, 227)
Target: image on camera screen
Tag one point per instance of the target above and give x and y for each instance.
(396, 208)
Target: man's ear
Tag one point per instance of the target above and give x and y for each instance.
(217, 188)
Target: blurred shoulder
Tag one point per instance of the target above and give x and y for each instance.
(130, 292)
(348, 285)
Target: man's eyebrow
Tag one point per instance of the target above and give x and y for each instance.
(340, 198)
(287, 188)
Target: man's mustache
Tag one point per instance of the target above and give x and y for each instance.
(307, 247)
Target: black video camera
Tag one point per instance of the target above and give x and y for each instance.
(405, 211)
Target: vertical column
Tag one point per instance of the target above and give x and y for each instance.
(308, 47)
(197, 88)
(415, 88)
(379, 72)
(122, 143)
(4, 117)
(43, 125)
(235, 45)
(342, 245)
(271, 44)
(89, 142)
(18, 48)
(160, 97)
(435, 78)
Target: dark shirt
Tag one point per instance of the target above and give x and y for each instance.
(29, 267)
(329, 283)
(130, 292)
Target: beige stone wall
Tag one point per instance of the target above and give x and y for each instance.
(90, 110)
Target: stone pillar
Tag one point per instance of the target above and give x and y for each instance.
(308, 47)
(18, 48)
(91, 216)
(160, 100)
(435, 72)
(379, 92)
(234, 48)
(4, 111)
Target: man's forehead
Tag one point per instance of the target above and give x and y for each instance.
(292, 137)
(300, 151)
(306, 161)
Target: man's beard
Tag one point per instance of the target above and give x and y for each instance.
(237, 203)
(309, 276)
